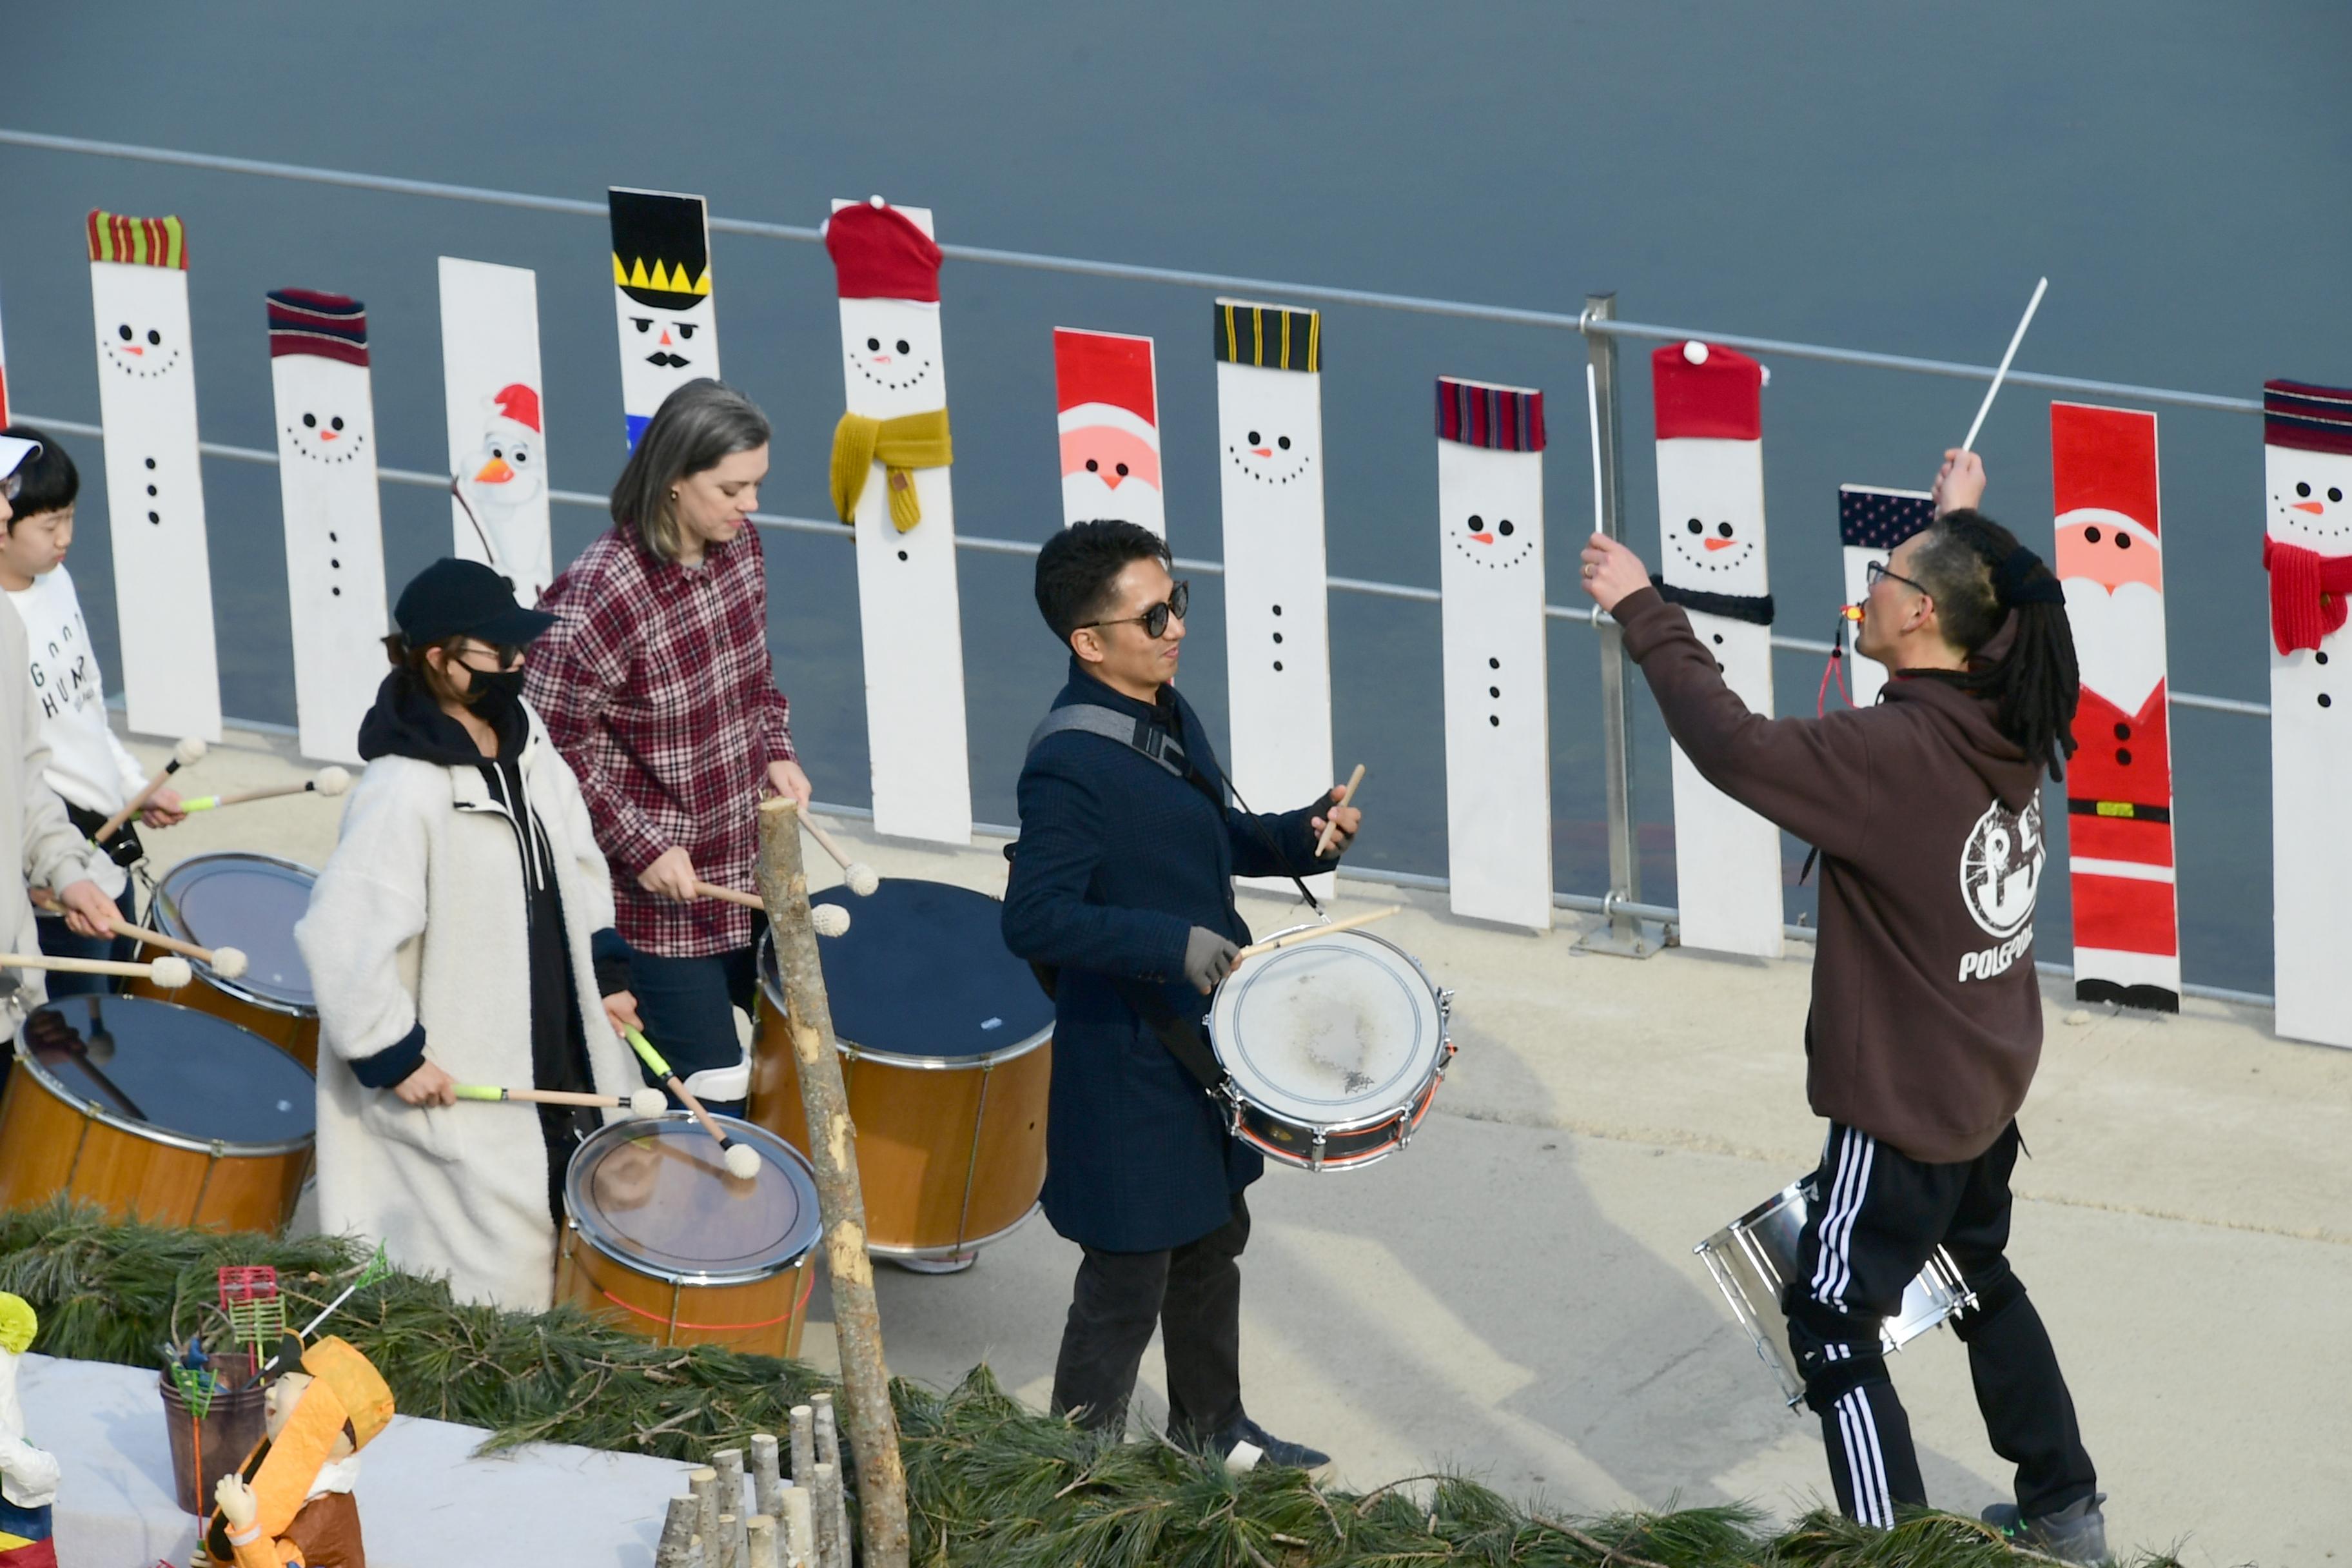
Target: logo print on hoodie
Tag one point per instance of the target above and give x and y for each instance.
(2001, 866)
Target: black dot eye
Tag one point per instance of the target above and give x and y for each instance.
(2335, 494)
(645, 323)
(1695, 526)
(1504, 528)
(2301, 490)
(1283, 442)
(522, 456)
(1477, 523)
(2091, 535)
(1093, 467)
(154, 336)
(1252, 441)
(309, 422)
(685, 331)
(1121, 470)
(902, 346)
(1724, 529)
(123, 331)
(495, 452)
(2123, 541)
(874, 345)
(337, 422)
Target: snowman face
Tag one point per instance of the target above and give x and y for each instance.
(1711, 512)
(142, 328)
(662, 348)
(2310, 499)
(1270, 424)
(892, 348)
(325, 410)
(1491, 504)
(506, 469)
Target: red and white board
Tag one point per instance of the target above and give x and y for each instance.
(2103, 471)
(1106, 405)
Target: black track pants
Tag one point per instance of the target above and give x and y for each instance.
(1193, 1294)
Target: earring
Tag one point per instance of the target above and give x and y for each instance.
(672, 495)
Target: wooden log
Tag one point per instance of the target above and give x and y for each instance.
(828, 1452)
(760, 1542)
(767, 1479)
(729, 1463)
(730, 1533)
(803, 1438)
(833, 1149)
(832, 1551)
(677, 1543)
(800, 1522)
(704, 1484)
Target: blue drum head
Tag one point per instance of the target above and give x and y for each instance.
(171, 1069)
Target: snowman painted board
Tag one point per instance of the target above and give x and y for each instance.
(498, 439)
(1277, 624)
(661, 294)
(1709, 408)
(1871, 520)
(334, 526)
(155, 483)
(2119, 834)
(1490, 441)
(2307, 548)
(911, 619)
(1106, 405)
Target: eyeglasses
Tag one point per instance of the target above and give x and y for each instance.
(506, 658)
(1154, 621)
(1875, 570)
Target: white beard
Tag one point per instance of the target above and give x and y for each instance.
(2118, 639)
(1084, 496)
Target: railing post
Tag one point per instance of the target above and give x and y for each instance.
(1621, 933)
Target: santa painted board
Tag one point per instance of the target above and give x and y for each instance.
(154, 481)
(334, 526)
(2307, 550)
(891, 483)
(661, 293)
(498, 438)
(1106, 405)
(1490, 442)
(1709, 408)
(1871, 520)
(2110, 561)
(1277, 624)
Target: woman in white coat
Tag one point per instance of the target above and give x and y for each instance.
(461, 932)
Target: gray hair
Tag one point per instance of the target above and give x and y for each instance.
(696, 426)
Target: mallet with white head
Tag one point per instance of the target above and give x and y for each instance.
(190, 751)
(742, 1160)
(828, 919)
(169, 971)
(326, 781)
(228, 962)
(644, 1102)
(861, 877)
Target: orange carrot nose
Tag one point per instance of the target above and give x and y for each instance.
(1484, 538)
(1262, 451)
(881, 359)
(329, 435)
(1721, 543)
(132, 349)
(494, 472)
(2313, 507)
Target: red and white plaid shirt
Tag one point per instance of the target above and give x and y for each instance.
(656, 685)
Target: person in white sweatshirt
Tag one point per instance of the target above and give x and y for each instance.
(91, 770)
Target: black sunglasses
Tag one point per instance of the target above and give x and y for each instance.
(1875, 570)
(1154, 621)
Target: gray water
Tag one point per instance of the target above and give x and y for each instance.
(1882, 177)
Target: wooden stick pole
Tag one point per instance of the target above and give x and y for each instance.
(1350, 923)
(803, 1445)
(828, 1452)
(767, 1478)
(800, 1522)
(729, 1463)
(713, 890)
(826, 842)
(759, 1541)
(1331, 828)
(833, 1149)
(704, 1484)
(677, 1532)
(538, 1096)
(1968, 442)
(157, 939)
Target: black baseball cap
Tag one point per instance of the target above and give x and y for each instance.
(455, 598)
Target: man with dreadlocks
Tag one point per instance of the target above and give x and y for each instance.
(1926, 1024)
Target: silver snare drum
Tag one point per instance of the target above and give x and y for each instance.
(1333, 1048)
(1754, 1256)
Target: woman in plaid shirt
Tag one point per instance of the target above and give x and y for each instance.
(656, 685)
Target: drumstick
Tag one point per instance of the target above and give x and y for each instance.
(228, 962)
(1323, 844)
(1350, 923)
(2000, 374)
(326, 781)
(742, 1160)
(830, 919)
(862, 879)
(190, 749)
(169, 971)
(644, 1102)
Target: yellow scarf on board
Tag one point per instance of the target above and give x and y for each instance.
(902, 445)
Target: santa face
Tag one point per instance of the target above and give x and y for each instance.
(1711, 511)
(1272, 431)
(2311, 498)
(142, 332)
(1108, 471)
(327, 410)
(893, 350)
(662, 348)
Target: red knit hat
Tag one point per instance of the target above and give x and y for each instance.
(879, 254)
(1705, 391)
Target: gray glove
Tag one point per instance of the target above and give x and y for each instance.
(1208, 958)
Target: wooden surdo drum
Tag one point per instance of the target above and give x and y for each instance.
(249, 902)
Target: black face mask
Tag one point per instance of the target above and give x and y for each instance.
(495, 690)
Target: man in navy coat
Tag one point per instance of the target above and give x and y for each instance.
(1122, 882)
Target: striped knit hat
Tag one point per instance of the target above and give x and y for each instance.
(1499, 418)
(304, 321)
(2307, 418)
(1273, 336)
(139, 241)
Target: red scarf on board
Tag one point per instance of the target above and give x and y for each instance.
(2307, 593)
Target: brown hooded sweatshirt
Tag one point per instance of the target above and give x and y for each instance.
(1926, 1016)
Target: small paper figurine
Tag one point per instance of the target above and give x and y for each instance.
(2307, 548)
(2110, 558)
(1871, 522)
(28, 1475)
(498, 441)
(1709, 407)
(890, 481)
(661, 287)
(1106, 394)
(1278, 622)
(334, 525)
(290, 1502)
(154, 484)
(1490, 441)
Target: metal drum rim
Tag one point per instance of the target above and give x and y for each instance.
(148, 1132)
(1439, 1059)
(772, 989)
(954, 1248)
(590, 1228)
(165, 916)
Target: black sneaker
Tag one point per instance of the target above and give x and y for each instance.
(2075, 1533)
(1272, 1449)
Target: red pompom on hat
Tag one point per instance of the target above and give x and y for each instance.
(879, 254)
(1717, 395)
(518, 403)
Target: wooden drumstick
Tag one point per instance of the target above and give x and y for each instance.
(862, 879)
(644, 1102)
(742, 1160)
(1323, 844)
(326, 781)
(169, 971)
(830, 919)
(1350, 923)
(190, 749)
(228, 962)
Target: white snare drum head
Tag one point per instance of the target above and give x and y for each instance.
(1329, 1030)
